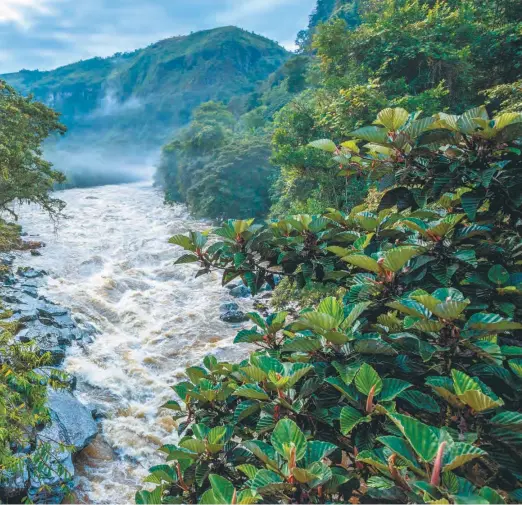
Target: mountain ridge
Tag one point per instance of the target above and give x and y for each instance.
(134, 102)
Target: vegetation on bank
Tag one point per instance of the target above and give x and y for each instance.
(407, 389)
(26, 177)
(400, 382)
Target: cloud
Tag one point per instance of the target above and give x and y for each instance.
(243, 9)
(45, 34)
(21, 11)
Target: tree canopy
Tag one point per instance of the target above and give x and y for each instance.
(26, 177)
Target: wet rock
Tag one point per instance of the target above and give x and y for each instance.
(240, 292)
(30, 291)
(6, 259)
(34, 252)
(47, 339)
(233, 284)
(51, 311)
(75, 423)
(63, 321)
(225, 307)
(30, 273)
(14, 484)
(71, 425)
(233, 316)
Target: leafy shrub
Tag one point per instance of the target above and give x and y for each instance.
(409, 389)
(23, 409)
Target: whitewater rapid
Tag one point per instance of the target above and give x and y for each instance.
(110, 263)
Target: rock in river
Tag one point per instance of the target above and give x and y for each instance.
(73, 426)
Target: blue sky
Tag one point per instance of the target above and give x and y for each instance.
(45, 34)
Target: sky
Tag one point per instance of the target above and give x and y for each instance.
(45, 34)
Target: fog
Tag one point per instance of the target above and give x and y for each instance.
(105, 145)
(92, 165)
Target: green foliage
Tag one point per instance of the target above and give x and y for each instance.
(25, 176)
(9, 236)
(413, 54)
(23, 410)
(407, 391)
(218, 171)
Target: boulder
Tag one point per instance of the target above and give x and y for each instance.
(14, 485)
(30, 273)
(73, 419)
(47, 339)
(71, 425)
(240, 291)
(51, 311)
(233, 316)
(225, 307)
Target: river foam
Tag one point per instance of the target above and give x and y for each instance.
(110, 262)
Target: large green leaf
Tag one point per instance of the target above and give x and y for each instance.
(392, 387)
(491, 322)
(287, 438)
(516, 366)
(316, 450)
(463, 382)
(251, 391)
(509, 418)
(396, 258)
(498, 275)
(423, 439)
(471, 202)
(479, 401)
(392, 119)
(451, 309)
(149, 497)
(355, 311)
(333, 308)
(318, 320)
(265, 452)
(350, 418)
(266, 480)
(222, 489)
(366, 379)
(363, 261)
(371, 134)
(399, 446)
(324, 145)
(459, 454)
(302, 344)
(183, 241)
(420, 400)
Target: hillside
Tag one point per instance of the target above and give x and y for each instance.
(133, 102)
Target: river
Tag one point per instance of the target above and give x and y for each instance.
(110, 263)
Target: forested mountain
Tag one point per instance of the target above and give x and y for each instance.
(356, 57)
(133, 102)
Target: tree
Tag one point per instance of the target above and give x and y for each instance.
(26, 177)
(219, 170)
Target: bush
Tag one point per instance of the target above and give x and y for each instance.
(408, 391)
(23, 409)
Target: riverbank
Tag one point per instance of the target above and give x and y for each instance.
(72, 427)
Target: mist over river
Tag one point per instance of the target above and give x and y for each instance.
(110, 263)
